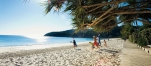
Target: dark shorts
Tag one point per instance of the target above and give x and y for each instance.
(75, 45)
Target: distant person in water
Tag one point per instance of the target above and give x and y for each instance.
(74, 43)
(99, 42)
(105, 44)
(95, 42)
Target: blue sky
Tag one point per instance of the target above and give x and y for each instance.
(29, 19)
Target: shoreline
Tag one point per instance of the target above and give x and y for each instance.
(23, 52)
(35, 47)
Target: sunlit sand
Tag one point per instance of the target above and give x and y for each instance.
(62, 54)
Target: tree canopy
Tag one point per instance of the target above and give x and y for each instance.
(101, 15)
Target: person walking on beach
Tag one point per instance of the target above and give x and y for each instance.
(74, 43)
(105, 43)
(99, 42)
(95, 42)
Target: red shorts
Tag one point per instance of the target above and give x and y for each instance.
(96, 44)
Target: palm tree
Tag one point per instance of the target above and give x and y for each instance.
(101, 14)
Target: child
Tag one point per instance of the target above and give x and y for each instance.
(92, 45)
(105, 43)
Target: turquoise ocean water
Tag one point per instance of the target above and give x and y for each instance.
(14, 40)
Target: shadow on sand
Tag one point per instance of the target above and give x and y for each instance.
(109, 51)
(78, 49)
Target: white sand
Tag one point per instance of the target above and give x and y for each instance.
(48, 55)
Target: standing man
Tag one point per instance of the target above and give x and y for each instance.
(74, 43)
(99, 41)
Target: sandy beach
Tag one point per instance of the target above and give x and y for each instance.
(83, 55)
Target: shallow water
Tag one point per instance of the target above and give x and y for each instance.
(15, 40)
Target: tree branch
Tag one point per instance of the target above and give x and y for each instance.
(90, 25)
(97, 20)
(133, 12)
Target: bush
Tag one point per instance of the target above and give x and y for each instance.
(144, 37)
(134, 37)
(141, 42)
(130, 38)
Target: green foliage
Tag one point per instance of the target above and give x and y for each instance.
(141, 41)
(146, 35)
(130, 38)
(127, 30)
(142, 37)
(134, 37)
(101, 15)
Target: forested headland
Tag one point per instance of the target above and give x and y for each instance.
(88, 33)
